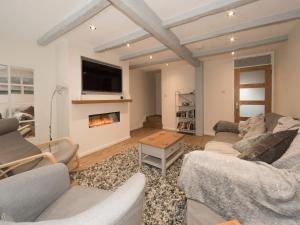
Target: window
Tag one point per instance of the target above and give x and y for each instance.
(17, 96)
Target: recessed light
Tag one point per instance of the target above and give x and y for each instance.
(233, 53)
(167, 64)
(232, 39)
(150, 57)
(128, 45)
(230, 13)
(92, 27)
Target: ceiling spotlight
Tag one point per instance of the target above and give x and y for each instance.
(167, 64)
(150, 57)
(232, 53)
(128, 45)
(232, 39)
(230, 13)
(92, 27)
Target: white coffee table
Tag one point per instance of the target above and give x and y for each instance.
(161, 149)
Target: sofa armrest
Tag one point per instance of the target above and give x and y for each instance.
(25, 196)
(226, 126)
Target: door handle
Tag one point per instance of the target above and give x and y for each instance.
(237, 106)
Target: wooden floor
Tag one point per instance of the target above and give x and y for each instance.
(136, 135)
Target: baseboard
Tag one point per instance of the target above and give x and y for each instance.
(170, 128)
(101, 147)
(136, 128)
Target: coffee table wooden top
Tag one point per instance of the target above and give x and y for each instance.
(162, 139)
(232, 222)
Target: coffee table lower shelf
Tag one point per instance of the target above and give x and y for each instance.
(154, 161)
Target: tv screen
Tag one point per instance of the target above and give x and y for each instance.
(100, 77)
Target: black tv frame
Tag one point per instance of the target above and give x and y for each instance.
(83, 92)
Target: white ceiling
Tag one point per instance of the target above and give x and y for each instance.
(29, 19)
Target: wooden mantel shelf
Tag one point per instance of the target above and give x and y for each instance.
(101, 101)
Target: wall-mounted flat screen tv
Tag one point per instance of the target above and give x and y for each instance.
(100, 77)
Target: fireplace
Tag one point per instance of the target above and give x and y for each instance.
(103, 119)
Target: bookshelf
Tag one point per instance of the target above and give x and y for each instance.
(185, 112)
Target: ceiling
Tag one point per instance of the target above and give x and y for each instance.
(29, 19)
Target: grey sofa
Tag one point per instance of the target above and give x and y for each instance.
(44, 196)
(199, 214)
(223, 141)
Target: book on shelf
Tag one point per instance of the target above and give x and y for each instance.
(186, 114)
(190, 125)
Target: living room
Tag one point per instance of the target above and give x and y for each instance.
(107, 85)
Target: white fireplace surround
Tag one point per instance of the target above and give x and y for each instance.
(99, 137)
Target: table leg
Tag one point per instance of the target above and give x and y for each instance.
(163, 166)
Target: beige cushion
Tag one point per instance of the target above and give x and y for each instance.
(221, 148)
(227, 137)
(286, 123)
(256, 129)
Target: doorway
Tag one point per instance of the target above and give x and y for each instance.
(252, 91)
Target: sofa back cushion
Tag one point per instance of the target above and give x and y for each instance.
(271, 148)
(226, 126)
(25, 196)
(247, 143)
(271, 120)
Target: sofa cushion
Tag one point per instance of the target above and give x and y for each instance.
(271, 120)
(73, 202)
(286, 123)
(271, 148)
(247, 143)
(226, 126)
(256, 129)
(221, 148)
(227, 137)
(250, 124)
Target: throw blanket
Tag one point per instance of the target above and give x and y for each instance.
(255, 193)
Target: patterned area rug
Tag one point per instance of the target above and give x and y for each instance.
(164, 202)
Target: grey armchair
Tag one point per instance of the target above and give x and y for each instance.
(18, 155)
(44, 196)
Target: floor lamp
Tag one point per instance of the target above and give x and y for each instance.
(59, 89)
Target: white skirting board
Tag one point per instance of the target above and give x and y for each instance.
(101, 147)
(170, 128)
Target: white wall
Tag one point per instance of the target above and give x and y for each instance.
(287, 76)
(218, 92)
(97, 138)
(178, 76)
(42, 61)
(143, 93)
